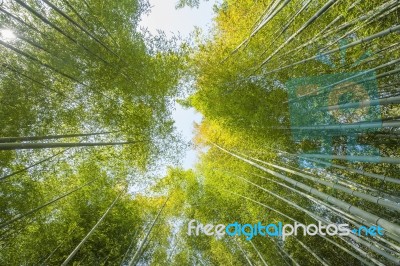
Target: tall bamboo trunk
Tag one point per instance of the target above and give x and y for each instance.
(367, 39)
(20, 216)
(243, 252)
(367, 159)
(25, 146)
(59, 11)
(374, 219)
(311, 252)
(340, 82)
(76, 13)
(380, 201)
(317, 218)
(18, 139)
(287, 25)
(352, 170)
(258, 253)
(302, 28)
(55, 27)
(365, 103)
(354, 126)
(70, 257)
(32, 165)
(135, 256)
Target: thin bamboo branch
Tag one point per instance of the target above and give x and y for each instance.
(378, 251)
(353, 126)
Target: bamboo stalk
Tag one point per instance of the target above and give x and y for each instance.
(345, 216)
(318, 36)
(267, 12)
(59, 11)
(375, 249)
(32, 58)
(380, 201)
(340, 180)
(311, 252)
(258, 253)
(129, 248)
(369, 15)
(322, 89)
(302, 28)
(32, 165)
(133, 260)
(287, 25)
(286, 254)
(380, 34)
(44, 35)
(25, 146)
(268, 15)
(362, 104)
(21, 216)
(364, 125)
(17, 139)
(269, 18)
(374, 219)
(382, 11)
(19, 20)
(55, 250)
(36, 60)
(357, 171)
(58, 29)
(243, 252)
(90, 11)
(76, 12)
(70, 256)
(294, 220)
(350, 252)
(378, 251)
(367, 159)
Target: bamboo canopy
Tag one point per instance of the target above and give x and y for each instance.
(299, 104)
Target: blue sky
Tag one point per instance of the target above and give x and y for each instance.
(181, 22)
(165, 17)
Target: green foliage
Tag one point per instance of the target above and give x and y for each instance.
(81, 67)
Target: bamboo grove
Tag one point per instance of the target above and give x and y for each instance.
(300, 104)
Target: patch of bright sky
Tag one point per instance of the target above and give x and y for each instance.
(173, 21)
(7, 35)
(180, 22)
